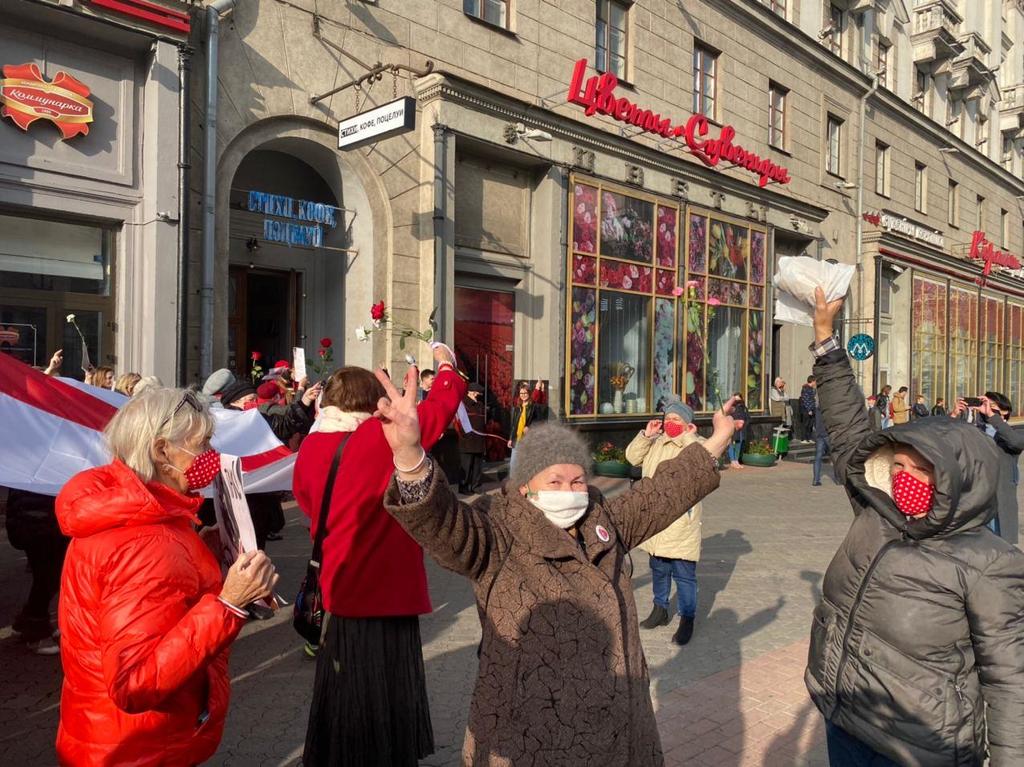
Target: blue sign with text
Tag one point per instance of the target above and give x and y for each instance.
(861, 347)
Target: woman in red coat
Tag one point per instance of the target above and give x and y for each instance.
(145, 620)
(369, 700)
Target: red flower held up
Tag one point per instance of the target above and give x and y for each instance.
(325, 342)
(377, 311)
(256, 355)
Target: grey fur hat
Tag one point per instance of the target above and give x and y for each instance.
(544, 445)
(217, 381)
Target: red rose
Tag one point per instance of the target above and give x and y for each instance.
(325, 342)
(323, 352)
(377, 311)
(256, 356)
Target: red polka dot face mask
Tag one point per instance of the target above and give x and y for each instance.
(911, 495)
(203, 469)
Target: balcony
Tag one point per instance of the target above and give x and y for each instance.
(934, 34)
(970, 70)
(1011, 110)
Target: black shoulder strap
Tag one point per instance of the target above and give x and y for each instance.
(325, 503)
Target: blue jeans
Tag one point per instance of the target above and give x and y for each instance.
(735, 450)
(844, 750)
(684, 573)
(820, 448)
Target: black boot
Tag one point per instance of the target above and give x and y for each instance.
(659, 617)
(684, 632)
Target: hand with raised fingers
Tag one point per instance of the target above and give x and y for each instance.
(400, 422)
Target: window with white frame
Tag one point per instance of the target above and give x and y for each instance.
(705, 80)
(953, 204)
(492, 11)
(834, 145)
(920, 187)
(611, 37)
(920, 88)
(882, 182)
(836, 28)
(883, 54)
(777, 115)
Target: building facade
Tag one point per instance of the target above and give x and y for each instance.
(89, 182)
(594, 193)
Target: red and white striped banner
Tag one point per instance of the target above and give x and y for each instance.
(52, 429)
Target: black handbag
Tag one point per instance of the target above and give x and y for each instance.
(308, 613)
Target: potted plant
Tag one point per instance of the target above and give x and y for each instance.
(610, 461)
(758, 453)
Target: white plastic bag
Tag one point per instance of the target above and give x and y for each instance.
(797, 277)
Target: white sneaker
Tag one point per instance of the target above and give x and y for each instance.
(44, 646)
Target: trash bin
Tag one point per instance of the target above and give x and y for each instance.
(780, 440)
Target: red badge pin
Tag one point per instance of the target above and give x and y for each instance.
(603, 533)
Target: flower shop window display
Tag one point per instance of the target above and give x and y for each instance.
(620, 354)
(653, 312)
(723, 320)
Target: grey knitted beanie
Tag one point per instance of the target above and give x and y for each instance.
(217, 381)
(681, 409)
(544, 445)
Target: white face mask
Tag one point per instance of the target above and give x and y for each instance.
(562, 507)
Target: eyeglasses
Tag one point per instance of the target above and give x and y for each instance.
(189, 399)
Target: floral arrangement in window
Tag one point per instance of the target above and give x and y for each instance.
(727, 250)
(607, 452)
(621, 372)
(584, 219)
(256, 370)
(626, 227)
(698, 360)
(381, 320)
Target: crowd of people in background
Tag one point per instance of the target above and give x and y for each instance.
(147, 613)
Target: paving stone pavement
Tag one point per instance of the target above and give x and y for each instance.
(734, 696)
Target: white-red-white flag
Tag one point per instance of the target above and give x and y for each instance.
(52, 429)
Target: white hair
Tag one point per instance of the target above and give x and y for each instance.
(150, 416)
(146, 382)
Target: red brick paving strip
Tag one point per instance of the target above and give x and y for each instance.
(754, 714)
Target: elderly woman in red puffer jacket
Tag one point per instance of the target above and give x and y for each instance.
(145, 619)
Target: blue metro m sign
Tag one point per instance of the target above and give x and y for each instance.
(861, 347)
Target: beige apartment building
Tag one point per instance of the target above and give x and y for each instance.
(573, 165)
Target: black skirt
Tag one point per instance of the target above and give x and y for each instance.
(370, 704)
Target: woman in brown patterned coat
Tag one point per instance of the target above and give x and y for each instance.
(562, 677)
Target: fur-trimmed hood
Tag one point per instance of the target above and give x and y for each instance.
(966, 465)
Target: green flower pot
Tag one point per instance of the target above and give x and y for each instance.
(611, 469)
(756, 459)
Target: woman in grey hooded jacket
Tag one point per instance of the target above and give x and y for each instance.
(917, 647)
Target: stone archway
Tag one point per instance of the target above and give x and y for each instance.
(367, 264)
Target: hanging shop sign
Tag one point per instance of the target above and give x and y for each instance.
(305, 219)
(861, 347)
(900, 225)
(382, 122)
(983, 250)
(26, 96)
(597, 96)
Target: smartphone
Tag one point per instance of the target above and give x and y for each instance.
(972, 401)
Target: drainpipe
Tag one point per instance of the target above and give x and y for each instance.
(859, 224)
(213, 13)
(184, 143)
(440, 214)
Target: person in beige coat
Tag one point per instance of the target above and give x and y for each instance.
(562, 680)
(674, 551)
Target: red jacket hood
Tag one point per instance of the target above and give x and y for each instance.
(113, 496)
